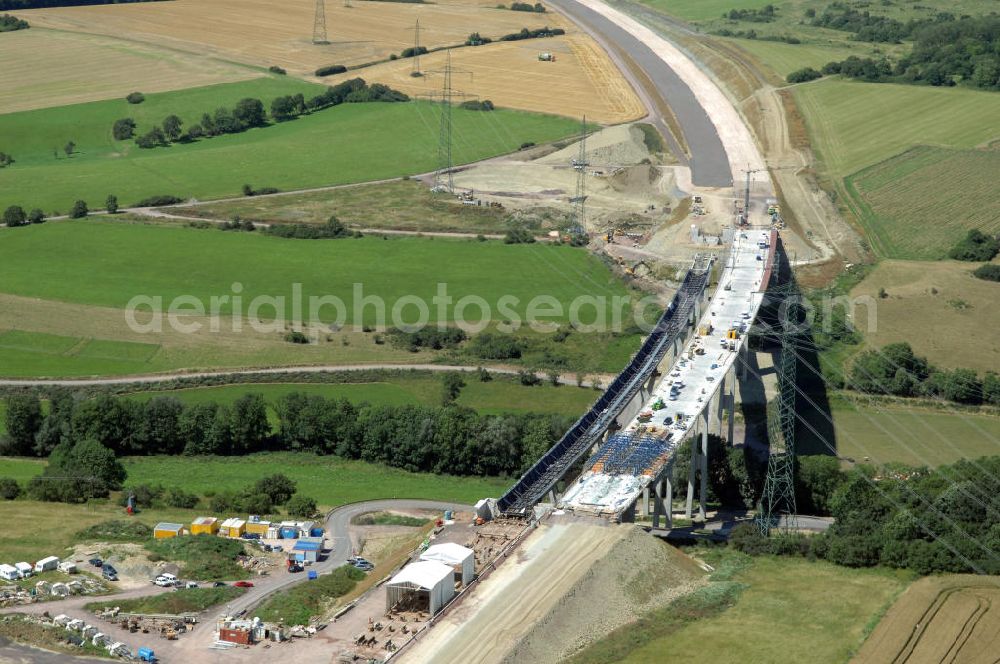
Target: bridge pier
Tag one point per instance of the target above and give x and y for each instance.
(691, 467)
(732, 406)
(644, 507)
(704, 468)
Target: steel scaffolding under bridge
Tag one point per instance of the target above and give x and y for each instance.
(542, 476)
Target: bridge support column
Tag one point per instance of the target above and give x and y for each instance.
(732, 406)
(553, 496)
(669, 494)
(703, 489)
(644, 508)
(720, 404)
(689, 504)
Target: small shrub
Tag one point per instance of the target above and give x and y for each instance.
(528, 378)
(331, 70)
(296, 337)
(803, 75)
(15, 216)
(275, 69)
(157, 201)
(988, 272)
(123, 129)
(79, 210)
(135, 98)
(36, 216)
(9, 488)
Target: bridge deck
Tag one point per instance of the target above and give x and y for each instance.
(641, 452)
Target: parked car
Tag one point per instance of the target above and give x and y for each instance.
(96, 562)
(107, 567)
(162, 582)
(295, 568)
(363, 565)
(218, 584)
(110, 575)
(243, 584)
(191, 584)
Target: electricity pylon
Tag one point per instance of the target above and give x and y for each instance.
(319, 23)
(580, 199)
(416, 50)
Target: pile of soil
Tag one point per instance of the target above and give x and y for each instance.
(636, 575)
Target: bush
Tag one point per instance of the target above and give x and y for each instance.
(123, 129)
(518, 236)
(15, 216)
(135, 98)
(79, 210)
(146, 495)
(412, 51)
(976, 246)
(296, 337)
(301, 506)
(474, 105)
(988, 272)
(153, 138)
(493, 346)
(332, 229)
(330, 70)
(179, 498)
(528, 378)
(157, 201)
(275, 69)
(36, 216)
(9, 488)
(803, 75)
(111, 204)
(10, 23)
(5, 160)
(476, 39)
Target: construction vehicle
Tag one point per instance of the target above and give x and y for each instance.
(546, 57)
(705, 329)
(772, 207)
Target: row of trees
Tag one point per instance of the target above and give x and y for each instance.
(946, 520)
(444, 440)
(38, 4)
(332, 229)
(765, 14)
(895, 369)
(945, 53)
(15, 216)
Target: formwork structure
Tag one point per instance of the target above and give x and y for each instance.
(425, 585)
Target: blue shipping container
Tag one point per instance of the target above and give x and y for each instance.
(316, 532)
(146, 655)
(290, 533)
(312, 575)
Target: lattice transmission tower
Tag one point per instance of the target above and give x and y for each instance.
(777, 502)
(416, 50)
(443, 176)
(319, 23)
(579, 200)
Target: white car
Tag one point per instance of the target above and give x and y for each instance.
(165, 580)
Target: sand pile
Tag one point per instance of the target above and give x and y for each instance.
(637, 574)
(622, 145)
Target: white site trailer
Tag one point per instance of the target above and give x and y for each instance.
(9, 572)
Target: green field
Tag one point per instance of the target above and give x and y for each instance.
(500, 395)
(183, 600)
(311, 151)
(402, 205)
(854, 125)
(903, 219)
(332, 481)
(125, 260)
(822, 611)
(912, 436)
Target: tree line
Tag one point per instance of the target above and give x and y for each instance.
(450, 439)
(946, 52)
(250, 112)
(942, 520)
(40, 4)
(895, 369)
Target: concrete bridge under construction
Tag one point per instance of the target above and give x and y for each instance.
(680, 383)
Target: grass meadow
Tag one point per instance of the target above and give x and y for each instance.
(312, 151)
(122, 260)
(854, 125)
(903, 221)
(401, 205)
(884, 433)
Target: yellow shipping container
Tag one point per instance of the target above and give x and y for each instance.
(258, 527)
(167, 530)
(205, 525)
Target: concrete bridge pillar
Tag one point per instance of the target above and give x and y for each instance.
(732, 406)
(669, 492)
(703, 489)
(689, 504)
(644, 507)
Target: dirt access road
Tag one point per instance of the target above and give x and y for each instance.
(195, 648)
